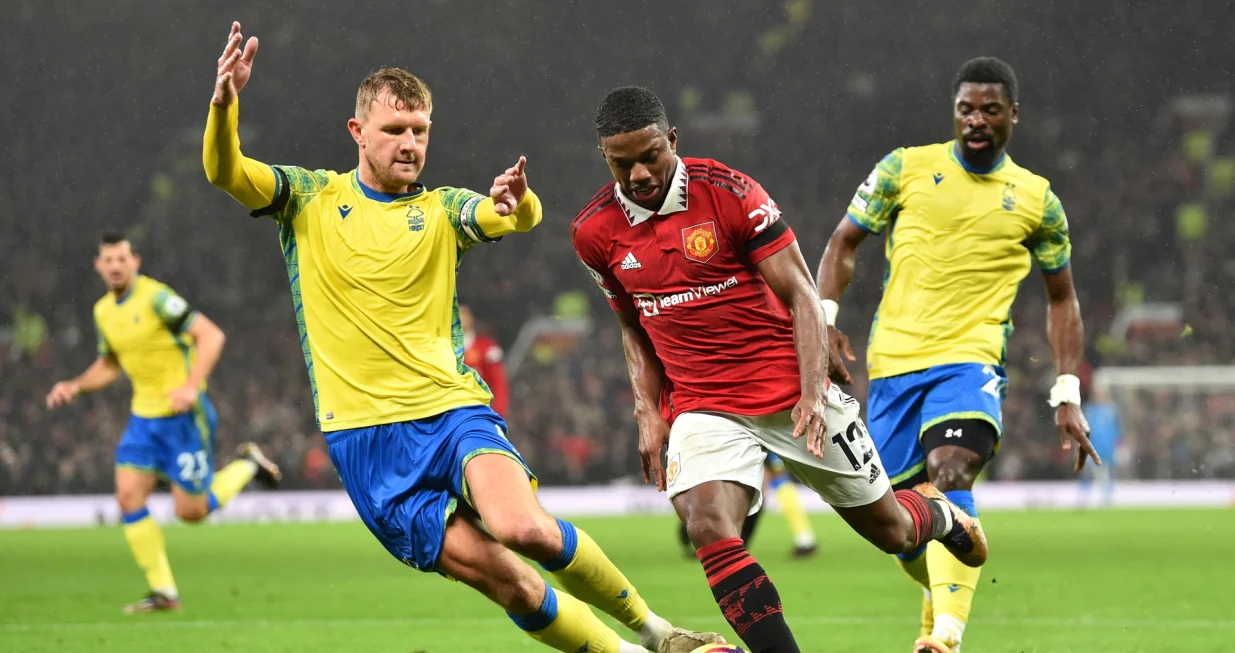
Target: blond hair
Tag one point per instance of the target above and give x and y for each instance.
(406, 89)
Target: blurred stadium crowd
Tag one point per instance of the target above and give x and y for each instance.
(803, 96)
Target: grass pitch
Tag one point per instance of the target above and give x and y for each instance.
(1057, 582)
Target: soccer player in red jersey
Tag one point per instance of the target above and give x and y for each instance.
(726, 348)
(483, 354)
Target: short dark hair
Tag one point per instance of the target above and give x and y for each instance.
(629, 109)
(987, 70)
(112, 238)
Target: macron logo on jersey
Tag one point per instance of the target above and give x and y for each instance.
(630, 262)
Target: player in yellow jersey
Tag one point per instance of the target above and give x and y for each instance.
(168, 350)
(372, 257)
(962, 225)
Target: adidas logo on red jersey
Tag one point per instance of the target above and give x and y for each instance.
(630, 262)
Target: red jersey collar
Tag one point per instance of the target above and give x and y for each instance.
(675, 199)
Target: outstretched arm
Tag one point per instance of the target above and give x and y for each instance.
(511, 206)
(251, 182)
(102, 373)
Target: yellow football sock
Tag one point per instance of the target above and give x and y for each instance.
(952, 587)
(927, 625)
(570, 626)
(587, 573)
(791, 507)
(915, 569)
(229, 481)
(145, 539)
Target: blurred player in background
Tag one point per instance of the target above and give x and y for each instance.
(1105, 431)
(781, 482)
(963, 225)
(168, 350)
(483, 354)
(788, 497)
(372, 258)
(726, 349)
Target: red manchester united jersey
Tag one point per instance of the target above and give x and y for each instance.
(723, 337)
(484, 355)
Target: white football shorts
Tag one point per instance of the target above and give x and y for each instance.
(709, 446)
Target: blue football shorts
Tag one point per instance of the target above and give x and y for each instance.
(901, 409)
(180, 447)
(406, 478)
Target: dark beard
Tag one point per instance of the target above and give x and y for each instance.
(980, 159)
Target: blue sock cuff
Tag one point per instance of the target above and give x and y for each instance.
(963, 500)
(136, 516)
(570, 543)
(912, 555)
(778, 480)
(542, 618)
(212, 502)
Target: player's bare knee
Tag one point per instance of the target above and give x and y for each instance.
(522, 595)
(130, 499)
(192, 513)
(706, 525)
(953, 473)
(537, 539)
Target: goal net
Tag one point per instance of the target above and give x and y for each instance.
(1175, 422)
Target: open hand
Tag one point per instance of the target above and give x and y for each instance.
(809, 421)
(235, 67)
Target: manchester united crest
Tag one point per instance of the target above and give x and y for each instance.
(699, 242)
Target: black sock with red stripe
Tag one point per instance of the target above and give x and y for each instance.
(930, 522)
(746, 597)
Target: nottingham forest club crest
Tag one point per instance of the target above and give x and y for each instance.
(699, 242)
(415, 219)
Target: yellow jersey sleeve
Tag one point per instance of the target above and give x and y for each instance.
(877, 200)
(1050, 245)
(251, 182)
(105, 348)
(475, 221)
(296, 187)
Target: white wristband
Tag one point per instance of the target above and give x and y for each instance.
(1067, 390)
(830, 311)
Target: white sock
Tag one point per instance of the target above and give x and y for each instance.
(804, 539)
(626, 647)
(948, 629)
(654, 630)
(947, 516)
(169, 592)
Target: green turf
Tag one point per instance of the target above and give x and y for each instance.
(1057, 581)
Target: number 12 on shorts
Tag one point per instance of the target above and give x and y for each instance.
(855, 434)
